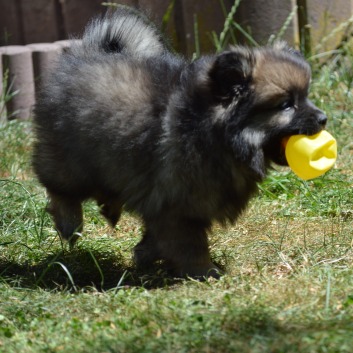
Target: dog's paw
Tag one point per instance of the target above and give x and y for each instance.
(199, 272)
(144, 257)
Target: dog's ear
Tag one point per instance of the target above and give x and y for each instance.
(230, 73)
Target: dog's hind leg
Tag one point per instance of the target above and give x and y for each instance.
(110, 208)
(67, 215)
(146, 251)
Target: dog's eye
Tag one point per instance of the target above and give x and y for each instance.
(286, 105)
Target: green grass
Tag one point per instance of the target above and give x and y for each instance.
(289, 281)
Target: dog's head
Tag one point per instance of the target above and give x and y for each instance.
(263, 96)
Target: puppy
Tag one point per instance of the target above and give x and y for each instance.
(124, 121)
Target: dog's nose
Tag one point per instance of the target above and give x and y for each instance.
(321, 118)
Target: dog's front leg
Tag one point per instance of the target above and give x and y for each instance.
(67, 216)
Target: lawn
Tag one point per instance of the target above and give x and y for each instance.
(289, 263)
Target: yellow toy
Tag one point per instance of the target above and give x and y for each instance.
(311, 156)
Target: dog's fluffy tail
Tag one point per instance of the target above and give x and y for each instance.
(123, 31)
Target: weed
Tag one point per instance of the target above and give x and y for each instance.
(6, 94)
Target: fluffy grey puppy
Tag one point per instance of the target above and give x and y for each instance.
(126, 122)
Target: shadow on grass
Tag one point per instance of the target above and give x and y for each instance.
(83, 269)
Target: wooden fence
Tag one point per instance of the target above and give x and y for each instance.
(34, 32)
(35, 21)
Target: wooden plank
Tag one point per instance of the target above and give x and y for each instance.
(132, 3)
(156, 10)
(10, 23)
(39, 21)
(208, 16)
(77, 13)
(263, 18)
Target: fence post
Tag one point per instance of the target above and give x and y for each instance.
(262, 18)
(18, 61)
(44, 56)
(2, 102)
(207, 16)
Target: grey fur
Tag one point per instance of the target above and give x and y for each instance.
(125, 122)
(133, 34)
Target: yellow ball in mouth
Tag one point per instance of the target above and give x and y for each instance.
(311, 156)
